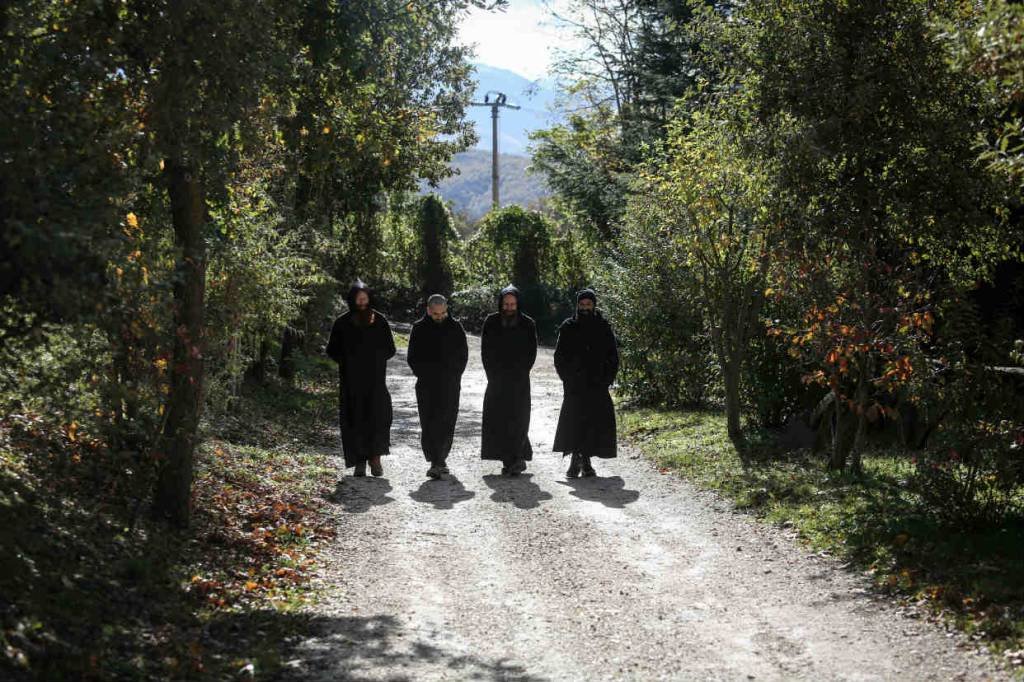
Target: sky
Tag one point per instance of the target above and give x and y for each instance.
(519, 39)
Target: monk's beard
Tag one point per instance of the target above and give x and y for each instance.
(510, 320)
(363, 317)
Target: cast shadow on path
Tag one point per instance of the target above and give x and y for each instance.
(443, 494)
(520, 490)
(351, 648)
(358, 495)
(610, 491)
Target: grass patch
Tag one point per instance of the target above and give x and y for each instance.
(974, 576)
(92, 589)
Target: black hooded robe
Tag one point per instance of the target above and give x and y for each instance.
(587, 360)
(508, 354)
(362, 354)
(437, 355)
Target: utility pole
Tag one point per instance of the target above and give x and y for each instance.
(498, 102)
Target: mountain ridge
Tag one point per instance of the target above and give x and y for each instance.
(469, 191)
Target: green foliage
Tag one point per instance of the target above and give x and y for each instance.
(583, 164)
(715, 207)
(773, 388)
(512, 245)
(53, 369)
(969, 469)
(992, 50)
(521, 247)
(436, 235)
(635, 58)
(190, 180)
(665, 352)
(472, 305)
(258, 280)
(840, 192)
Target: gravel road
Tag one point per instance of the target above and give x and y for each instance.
(634, 575)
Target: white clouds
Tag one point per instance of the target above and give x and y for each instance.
(519, 39)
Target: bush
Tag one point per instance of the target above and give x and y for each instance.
(513, 245)
(665, 351)
(972, 471)
(472, 306)
(399, 302)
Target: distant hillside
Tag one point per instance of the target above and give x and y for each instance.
(470, 190)
(514, 125)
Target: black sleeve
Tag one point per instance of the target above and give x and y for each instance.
(611, 359)
(389, 340)
(531, 349)
(413, 354)
(562, 359)
(461, 355)
(335, 344)
(487, 351)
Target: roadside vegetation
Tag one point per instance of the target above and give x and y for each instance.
(879, 523)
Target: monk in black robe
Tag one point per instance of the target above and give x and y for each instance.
(437, 355)
(361, 343)
(587, 360)
(508, 346)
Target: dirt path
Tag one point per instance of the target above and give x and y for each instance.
(633, 575)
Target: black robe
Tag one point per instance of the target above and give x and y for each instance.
(365, 414)
(437, 355)
(587, 361)
(508, 354)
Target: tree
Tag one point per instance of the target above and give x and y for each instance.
(713, 205)
(145, 115)
(885, 208)
(635, 60)
(435, 233)
(512, 245)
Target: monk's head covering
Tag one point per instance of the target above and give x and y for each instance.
(586, 293)
(356, 287)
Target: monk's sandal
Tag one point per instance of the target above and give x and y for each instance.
(574, 467)
(586, 470)
(434, 471)
(360, 470)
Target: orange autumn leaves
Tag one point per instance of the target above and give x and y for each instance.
(275, 536)
(840, 347)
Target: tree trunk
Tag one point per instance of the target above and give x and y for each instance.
(863, 394)
(173, 495)
(843, 434)
(292, 338)
(728, 361)
(257, 371)
(731, 379)
(837, 458)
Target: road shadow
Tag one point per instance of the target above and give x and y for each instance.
(443, 494)
(610, 491)
(358, 495)
(520, 490)
(284, 646)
